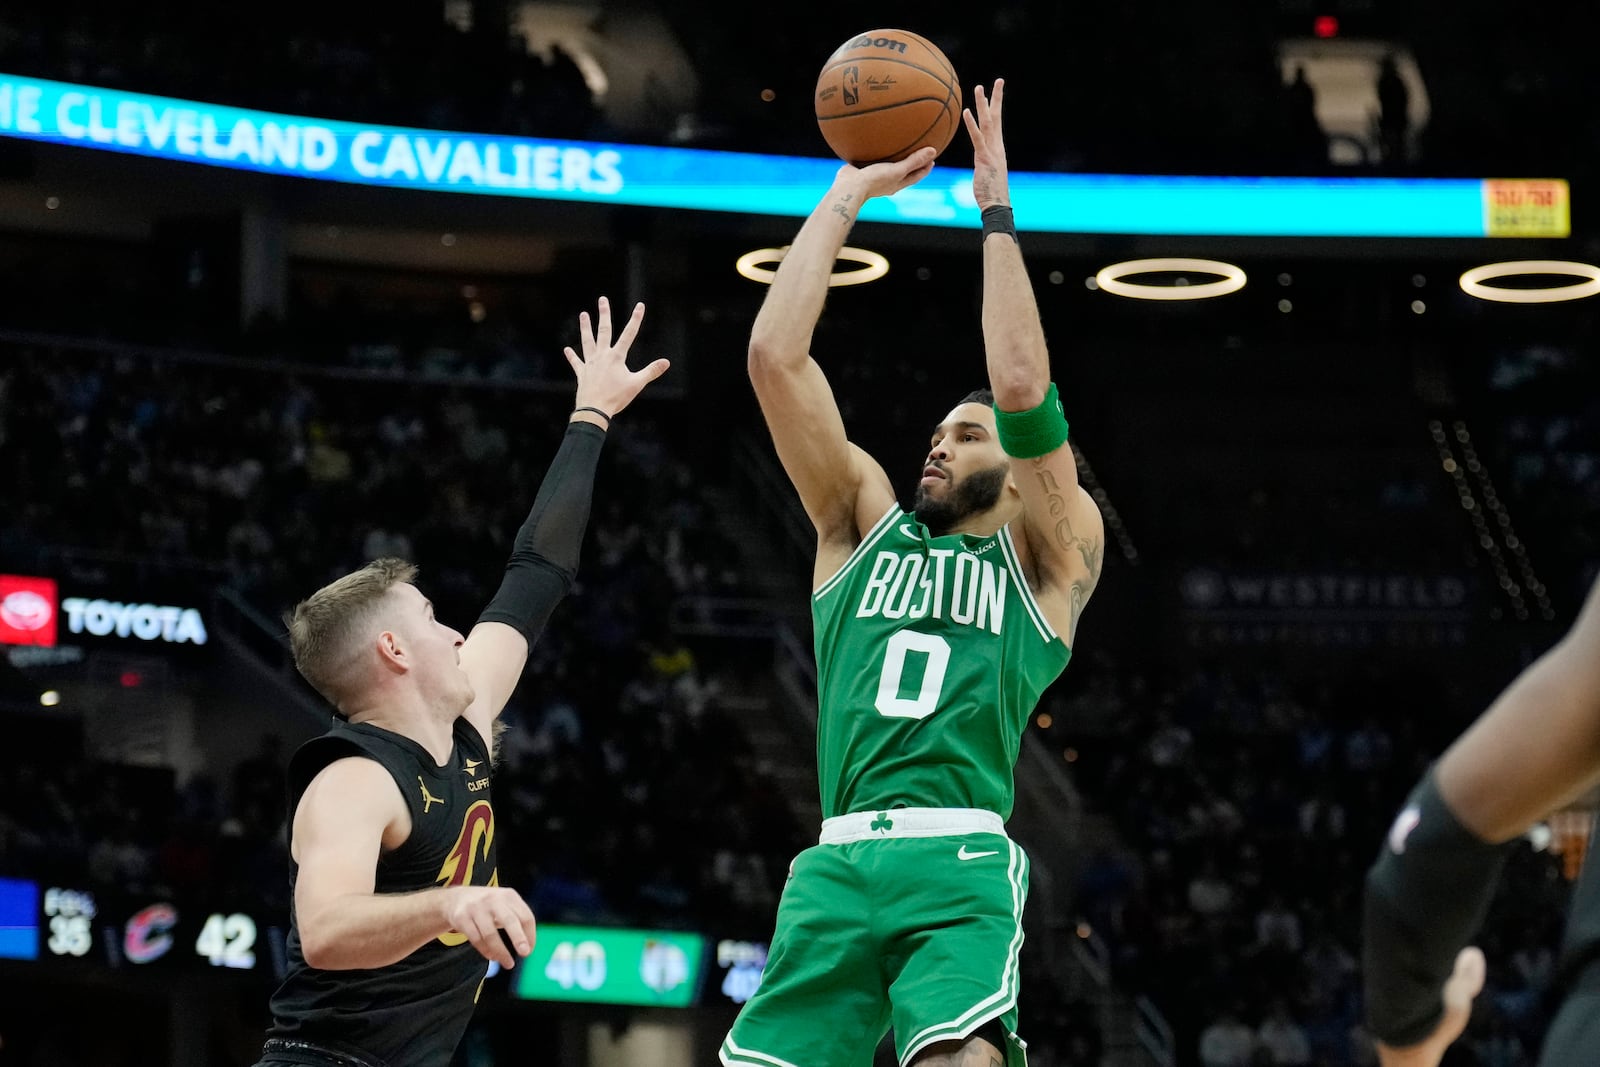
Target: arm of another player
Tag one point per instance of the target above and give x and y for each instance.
(1535, 750)
(544, 559)
(348, 814)
(843, 490)
(1063, 542)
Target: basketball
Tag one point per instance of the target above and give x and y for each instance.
(884, 94)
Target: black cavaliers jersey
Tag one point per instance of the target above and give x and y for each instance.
(1580, 944)
(411, 1013)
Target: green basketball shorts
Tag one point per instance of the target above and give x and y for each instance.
(910, 918)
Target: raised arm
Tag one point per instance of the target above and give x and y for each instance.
(1063, 536)
(544, 558)
(1535, 750)
(347, 816)
(843, 490)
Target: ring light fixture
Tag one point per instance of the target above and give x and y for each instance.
(761, 264)
(1230, 279)
(1472, 281)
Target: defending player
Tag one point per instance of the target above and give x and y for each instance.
(397, 906)
(1534, 751)
(936, 632)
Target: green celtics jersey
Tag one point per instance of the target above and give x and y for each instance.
(931, 654)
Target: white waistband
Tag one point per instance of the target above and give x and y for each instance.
(909, 822)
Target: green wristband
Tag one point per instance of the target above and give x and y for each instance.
(1037, 432)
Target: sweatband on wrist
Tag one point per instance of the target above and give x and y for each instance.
(997, 218)
(544, 558)
(1035, 432)
(1426, 896)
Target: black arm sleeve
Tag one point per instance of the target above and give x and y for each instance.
(544, 559)
(1426, 895)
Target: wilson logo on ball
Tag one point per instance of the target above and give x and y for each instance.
(876, 42)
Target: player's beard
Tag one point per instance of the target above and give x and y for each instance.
(977, 492)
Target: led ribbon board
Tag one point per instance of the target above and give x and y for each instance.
(698, 179)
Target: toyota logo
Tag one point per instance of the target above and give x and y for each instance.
(23, 609)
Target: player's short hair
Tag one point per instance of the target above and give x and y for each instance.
(325, 627)
(979, 396)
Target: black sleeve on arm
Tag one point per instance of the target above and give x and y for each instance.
(1426, 896)
(544, 559)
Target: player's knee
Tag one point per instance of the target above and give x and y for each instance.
(984, 1047)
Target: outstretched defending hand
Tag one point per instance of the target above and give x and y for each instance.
(604, 380)
(990, 185)
(886, 179)
(1465, 982)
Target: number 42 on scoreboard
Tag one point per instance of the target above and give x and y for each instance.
(228, 941)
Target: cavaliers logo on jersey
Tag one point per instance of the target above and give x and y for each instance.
(471, 848)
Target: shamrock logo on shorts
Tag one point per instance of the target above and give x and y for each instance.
(883, 824)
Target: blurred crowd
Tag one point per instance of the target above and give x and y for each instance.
(136, 834)
(1541, 432)
(1251, 806)
(289, 483)
(394, 64)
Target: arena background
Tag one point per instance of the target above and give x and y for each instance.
(1345, 503)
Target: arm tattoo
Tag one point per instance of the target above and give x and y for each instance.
(1091, 549)
(841, 210)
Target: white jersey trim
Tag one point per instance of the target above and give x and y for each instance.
(1035, 612)
(879, 528)
(909, 822)
(731, 1054)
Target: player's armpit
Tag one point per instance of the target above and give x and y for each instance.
(839, 539)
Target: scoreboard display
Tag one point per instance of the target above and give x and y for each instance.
(73, 924)
(607, 965)
(645, 968)
(19, 919)
(76, 927)
(740, 964)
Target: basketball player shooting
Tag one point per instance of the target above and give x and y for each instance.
(936, 632)
(397, 908)
(1536, 750)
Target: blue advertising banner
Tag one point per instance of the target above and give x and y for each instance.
(697, 179)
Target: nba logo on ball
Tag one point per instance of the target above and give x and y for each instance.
(884, 94)
(27, 611)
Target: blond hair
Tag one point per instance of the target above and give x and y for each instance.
(326, 627)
